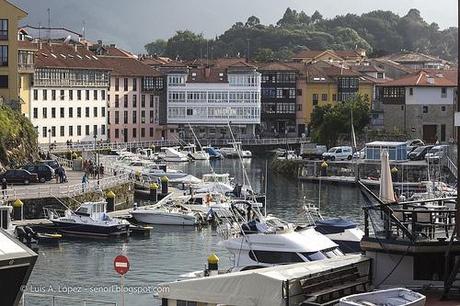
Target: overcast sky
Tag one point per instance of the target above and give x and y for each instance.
(131, 24)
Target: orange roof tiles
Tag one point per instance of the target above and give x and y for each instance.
(423, 78)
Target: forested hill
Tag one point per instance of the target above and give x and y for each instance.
(380, 32)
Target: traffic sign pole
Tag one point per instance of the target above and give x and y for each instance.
(122, 290)
(121, 266)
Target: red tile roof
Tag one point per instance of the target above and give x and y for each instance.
(276, 66)
(422, 79)
(207, 75)
(127, 66)
(344, 54)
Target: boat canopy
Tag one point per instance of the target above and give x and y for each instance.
(333, 226)
(254, 287)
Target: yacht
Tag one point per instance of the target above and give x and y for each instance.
(195, 154)
(172, 154)
(148, 154)
(232, 152)
(168, 214)
(213, 152)
(90, 219)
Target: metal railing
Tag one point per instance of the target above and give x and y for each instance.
(54, 300)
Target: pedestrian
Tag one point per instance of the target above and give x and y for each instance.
(101, 170)
(57, 175)
(84, 182)
(4, 187)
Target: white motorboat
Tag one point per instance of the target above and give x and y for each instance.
(235, 151)
(148, 154)
(288, 155)
(90, 219)
(167, 215)
(172, 154)
(195, 154)
(393, 297)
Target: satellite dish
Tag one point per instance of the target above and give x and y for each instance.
(67, 40)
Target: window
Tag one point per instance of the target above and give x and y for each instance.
(3, 29)
(78, 112)
(87, 130)
(444, 92)
(142, 132)
(315, 99)
(151, 101)
(53, 95)
(299, 107)
(3, 55)
(70, 130)
(70, 94)
(125, 101)
(185, 303)
(134, 84)
(95, 111)
(79, 94)
(78, 130)
(86, 95)
(443, 108)
(117, 117)
(53, 112)
(4, 82)
(152, 117)
(125, 117)
(44, 131)
(45, 113)
(70, 112)
(117, 84)
(61, 94)
(95, 94)
(151, 132)
(61, 112)
(425, 109)
(62, 131)
(35, 113)
(45, 94)
(299, 92)
(135, 101)
(134, 132)
(411, 91)
(87, 112)
(143, 116)
(143, 101)
(95, 130)
(324, 97)
(272, 257)
(103, 94)
(189, 112)
(134, 116)
(117, 133)
(125, 84)
(102, 111)
(35, 93)
(117, 101)
(379, 75)
(53, 131)
(334, 97)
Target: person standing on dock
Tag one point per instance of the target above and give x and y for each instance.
(4, 187)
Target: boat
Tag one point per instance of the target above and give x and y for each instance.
(90, 219)
(167, 215)
(172, 154)
(288, 155)
(235, 151)
(195, 154)
(343, 232)
(213, 153)
(16, 264)
(148, 154)
(393, 297)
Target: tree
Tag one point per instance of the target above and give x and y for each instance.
(185, 45)
(264, 55)
(316, 17)
(158, 47)
(328, 122)
(252, 22)
(289, 18)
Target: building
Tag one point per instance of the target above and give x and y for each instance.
(133, 97)
(26, 69)
(421, 105)
(324, 83)
(211, 97)
(333, 56)
(417, 60)
(10, 15)
(278, 99)
(69, 93)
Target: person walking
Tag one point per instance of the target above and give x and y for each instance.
(84, 182)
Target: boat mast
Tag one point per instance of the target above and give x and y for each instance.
(457, 213)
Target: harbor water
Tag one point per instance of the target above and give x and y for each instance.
(84, 268)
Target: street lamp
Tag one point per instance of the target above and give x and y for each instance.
(96, 157)
(49, 139)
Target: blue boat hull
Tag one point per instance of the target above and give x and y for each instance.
(91, 230)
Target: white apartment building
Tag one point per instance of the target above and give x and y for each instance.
(210, 98)
(69, 94)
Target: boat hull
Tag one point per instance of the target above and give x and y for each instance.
(83, 230)
(159, 218)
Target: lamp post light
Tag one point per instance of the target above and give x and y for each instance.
(96, 157)
(49, 139)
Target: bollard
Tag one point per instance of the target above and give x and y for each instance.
(213, 264)
(110, 197)
(324, 166)
(17, 209)
(164, 185)
(154, 192)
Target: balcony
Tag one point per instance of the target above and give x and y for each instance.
(26, 68)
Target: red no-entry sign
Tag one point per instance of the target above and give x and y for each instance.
(121, 264)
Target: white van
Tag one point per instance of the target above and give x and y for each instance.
(338, 153)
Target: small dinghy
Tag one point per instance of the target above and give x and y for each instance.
(389, 297)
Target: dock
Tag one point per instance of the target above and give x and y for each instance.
(351, 180)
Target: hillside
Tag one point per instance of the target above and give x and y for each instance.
(379, 32)
(18, 139)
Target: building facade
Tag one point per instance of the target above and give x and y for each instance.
(69, 94)
(210, 98)
(421, 105)
(10, 15)
(278, 99)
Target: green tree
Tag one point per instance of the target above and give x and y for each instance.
(185, 45)
(158, 47)
(316, 17)
(264, 55)
(252, 22)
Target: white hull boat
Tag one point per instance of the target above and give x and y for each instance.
(163, 216)
(199, 155)
(393, 297)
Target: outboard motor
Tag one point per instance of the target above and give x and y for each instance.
(32, 234)
(23, 236)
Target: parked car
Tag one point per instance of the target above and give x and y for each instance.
(338, 153)
(419, 153)
(436, 153)
(44, 171)
(19, 176)
(361, 154)
(312, 150)
(414, 143)
(52, 163)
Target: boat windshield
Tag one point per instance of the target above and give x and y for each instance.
(313, 256)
